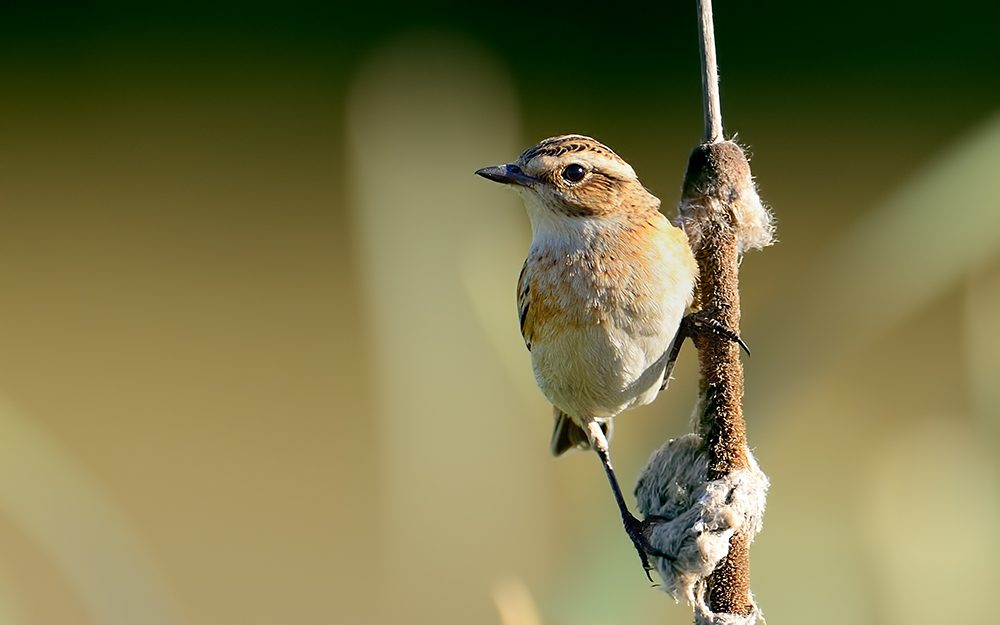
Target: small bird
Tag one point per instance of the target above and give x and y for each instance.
(602, 295)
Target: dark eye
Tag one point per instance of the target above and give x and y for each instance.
(574, 172)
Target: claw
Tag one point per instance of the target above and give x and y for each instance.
(699, 322)
(636, 530)
(693, 324)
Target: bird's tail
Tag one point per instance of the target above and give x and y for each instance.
(568, 434)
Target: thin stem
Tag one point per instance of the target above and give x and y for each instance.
(709, 73)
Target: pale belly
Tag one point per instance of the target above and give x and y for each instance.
(600, 370)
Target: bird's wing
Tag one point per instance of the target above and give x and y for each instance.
(568, 434)
(524, 304)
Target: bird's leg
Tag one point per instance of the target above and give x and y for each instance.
(692, 325)
(633, 526)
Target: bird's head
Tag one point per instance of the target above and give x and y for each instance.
(573, 176)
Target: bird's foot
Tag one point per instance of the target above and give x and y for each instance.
(701, 322)
(636, 530)
(698, 323)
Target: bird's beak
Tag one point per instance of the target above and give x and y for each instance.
(506, 174)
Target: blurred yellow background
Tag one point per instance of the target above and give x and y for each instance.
(259, 357)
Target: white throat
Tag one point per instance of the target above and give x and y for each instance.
(553, 229)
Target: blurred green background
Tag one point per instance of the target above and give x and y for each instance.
(259, 358)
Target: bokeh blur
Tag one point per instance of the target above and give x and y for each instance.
(259, 358)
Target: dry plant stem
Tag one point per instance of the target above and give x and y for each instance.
(709, 73)
(713, 182)
(721, 421)
(729, 586)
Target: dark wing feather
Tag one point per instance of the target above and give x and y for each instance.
(567, 434)
(524, 304)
